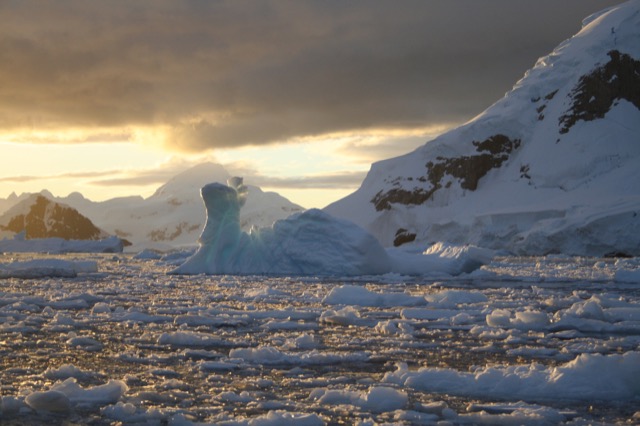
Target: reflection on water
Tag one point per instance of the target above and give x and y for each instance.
(215, 348)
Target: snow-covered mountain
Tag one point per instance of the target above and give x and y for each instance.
(553, 167)
(40, 217)
(174, 215)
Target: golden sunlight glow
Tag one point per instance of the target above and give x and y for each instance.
(103, 164)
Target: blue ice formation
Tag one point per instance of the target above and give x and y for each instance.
(308, 243)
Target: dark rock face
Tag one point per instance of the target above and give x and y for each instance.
(47, 219)
(597, 91)
(468, 170)
(403, 236)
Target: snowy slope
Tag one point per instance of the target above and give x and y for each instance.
(550, 168)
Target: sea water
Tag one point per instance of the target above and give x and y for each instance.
(546, 340)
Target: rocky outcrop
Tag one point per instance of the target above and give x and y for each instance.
(39, 217)
(600, 89)
(467, 170)
(403, 236)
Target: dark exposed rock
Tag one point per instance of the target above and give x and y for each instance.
(597, 91)
(383, 200)
(524, 172)
(403, 236)
(47, 219)
(468, 170)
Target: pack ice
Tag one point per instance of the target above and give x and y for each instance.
(308, 243)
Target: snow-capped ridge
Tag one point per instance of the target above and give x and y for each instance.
(191, 180)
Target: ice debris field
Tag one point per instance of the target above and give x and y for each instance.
(106, 339)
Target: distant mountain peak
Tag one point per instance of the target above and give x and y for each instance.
(192, 179)
(40, 217)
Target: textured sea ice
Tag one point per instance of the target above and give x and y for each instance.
(377, 399)
(52, 400)
(587, 377)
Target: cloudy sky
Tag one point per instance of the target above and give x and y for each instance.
(113, 98)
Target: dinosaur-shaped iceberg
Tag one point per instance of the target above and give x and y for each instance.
(308, 243)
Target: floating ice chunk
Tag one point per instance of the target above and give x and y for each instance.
(522, 320)
(361, 296)
(463, 318)
(378, 399)
(188, 339)
(101, 308)
(265, 293)
(243, 397)
(108, 393)
(85, 343)
(345, 316)
(590, 309)
(66, 371)
(587, 377)
(531, 320)
(304, 341)
(60, 245)
(453, 298)
(41, 268)
(62, 319)
(391, 327)
(122, 411)
(52, 400)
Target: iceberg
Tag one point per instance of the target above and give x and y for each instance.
(307, 243)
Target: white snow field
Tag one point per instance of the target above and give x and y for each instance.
(541, 340)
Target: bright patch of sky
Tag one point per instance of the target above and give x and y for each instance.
(312, 172)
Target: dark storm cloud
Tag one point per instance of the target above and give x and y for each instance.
(226, 74)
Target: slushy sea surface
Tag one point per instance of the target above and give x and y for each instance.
(245, 350)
